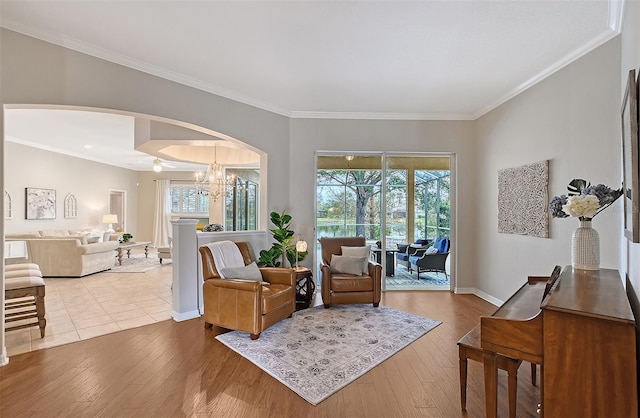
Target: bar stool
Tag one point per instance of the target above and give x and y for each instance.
(24, 297)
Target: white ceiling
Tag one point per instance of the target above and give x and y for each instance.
(341, 59)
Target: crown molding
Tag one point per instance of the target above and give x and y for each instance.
(92, 50)
(89, 49)
(380, 116)
(616, 13)
(558, 65)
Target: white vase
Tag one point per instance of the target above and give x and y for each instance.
(585, 247)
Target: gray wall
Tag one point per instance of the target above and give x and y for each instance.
(88, 181)
(571, 118)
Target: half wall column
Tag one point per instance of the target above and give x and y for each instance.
(186, 283)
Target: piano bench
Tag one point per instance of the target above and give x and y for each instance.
(469, 348)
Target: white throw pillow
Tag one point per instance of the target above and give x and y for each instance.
(431, 250)
(249, 272)
(359, 252)
(347, 264)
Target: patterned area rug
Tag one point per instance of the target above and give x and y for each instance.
(137, 263)
(319, 351)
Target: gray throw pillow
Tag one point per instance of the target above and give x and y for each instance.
(250, 272)
(347, 264)
(359, 252)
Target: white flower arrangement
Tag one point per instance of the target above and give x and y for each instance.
(583, 201)
(582, 206)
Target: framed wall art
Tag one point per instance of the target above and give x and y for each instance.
(40, 203)
(629, 116)
(523, 203)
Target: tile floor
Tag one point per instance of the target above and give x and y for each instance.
(82, 308)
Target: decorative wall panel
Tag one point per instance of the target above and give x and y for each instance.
(523, 200)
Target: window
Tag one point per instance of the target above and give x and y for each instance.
(349, 203)
(241, 202)
(432, 206)
(186, 201)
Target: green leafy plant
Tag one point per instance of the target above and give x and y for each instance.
(126, 237)
(284, 247)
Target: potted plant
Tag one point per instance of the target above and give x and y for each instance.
(284, 247)
(126, 237)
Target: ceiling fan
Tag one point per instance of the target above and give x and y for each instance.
(158, 164)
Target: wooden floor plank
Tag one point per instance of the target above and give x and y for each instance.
(179, 369)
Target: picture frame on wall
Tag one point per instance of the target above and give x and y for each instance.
(40, 203)
(630, 149)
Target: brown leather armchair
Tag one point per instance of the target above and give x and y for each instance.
(244, 305)
(339, 288)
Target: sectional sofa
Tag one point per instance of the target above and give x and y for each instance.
(62, 253)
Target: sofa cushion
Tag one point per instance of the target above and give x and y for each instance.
(55, 233)
(23, 235)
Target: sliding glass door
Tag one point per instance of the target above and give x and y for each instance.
(413, 189)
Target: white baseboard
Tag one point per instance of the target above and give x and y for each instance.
(464, 290)
(4, 359)
(183, 316)
(478, 293)
(488, 298)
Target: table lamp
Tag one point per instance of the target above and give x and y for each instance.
(110, 219)
(301, 246)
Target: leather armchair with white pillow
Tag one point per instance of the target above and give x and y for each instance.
(345, 288)
(246, 305)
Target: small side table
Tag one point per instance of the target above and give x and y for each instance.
(304, 287)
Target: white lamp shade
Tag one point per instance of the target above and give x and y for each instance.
(110, 219)
(301, 246)
(157, 165)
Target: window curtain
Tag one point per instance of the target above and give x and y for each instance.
(161, 216)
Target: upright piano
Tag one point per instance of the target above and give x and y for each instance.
(581, 330)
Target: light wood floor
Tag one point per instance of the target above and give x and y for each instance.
(171, 369)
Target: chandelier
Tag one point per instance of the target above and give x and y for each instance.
(213, 183)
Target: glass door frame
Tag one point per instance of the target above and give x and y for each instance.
(383, 202)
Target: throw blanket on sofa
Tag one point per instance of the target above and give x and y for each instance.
(225, 254)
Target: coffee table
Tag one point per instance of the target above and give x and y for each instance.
(128, 246)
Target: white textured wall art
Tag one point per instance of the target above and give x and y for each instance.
(523, 202)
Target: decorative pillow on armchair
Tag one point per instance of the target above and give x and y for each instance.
(249, 272)
(431, 250)
(359, 252)
(347, 265)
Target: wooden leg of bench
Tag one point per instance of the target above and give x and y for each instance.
(42, 322)
(534, 370)
(463, 378)
(512, 385)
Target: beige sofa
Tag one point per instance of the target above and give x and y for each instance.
(64, 254)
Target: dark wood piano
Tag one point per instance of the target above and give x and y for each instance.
(581, 330)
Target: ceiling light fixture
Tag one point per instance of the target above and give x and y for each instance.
(157, 165)
(213, 177)
(349, 157)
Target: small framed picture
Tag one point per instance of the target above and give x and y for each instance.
(40, 203)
